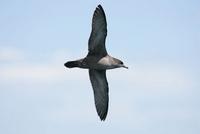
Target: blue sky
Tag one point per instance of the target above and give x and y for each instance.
(158, 40)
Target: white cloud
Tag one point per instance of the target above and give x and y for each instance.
(39, 73)
(52, 70)
(146, 76)
(140, 75)
(143, 76)
(10, 54)
(155, 76)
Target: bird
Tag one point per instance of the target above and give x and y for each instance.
(98, 61)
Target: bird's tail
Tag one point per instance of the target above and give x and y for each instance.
(71, 64)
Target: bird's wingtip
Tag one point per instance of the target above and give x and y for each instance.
(103, 118)
(99, 6)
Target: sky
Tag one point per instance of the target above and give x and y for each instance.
(158, 40)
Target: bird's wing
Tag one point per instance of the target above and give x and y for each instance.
(100, 88)
(96, 43)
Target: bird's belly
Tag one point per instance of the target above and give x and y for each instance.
(102, 65)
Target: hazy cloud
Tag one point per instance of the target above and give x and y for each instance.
(53, 70)
(10, 54)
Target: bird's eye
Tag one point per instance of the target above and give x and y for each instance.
(122, 62)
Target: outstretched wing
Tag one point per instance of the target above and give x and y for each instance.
(100, 88)
(97, 38)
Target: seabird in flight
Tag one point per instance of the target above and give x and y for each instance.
(98, 61)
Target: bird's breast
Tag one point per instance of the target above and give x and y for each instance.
(106, 62)
(100, 63)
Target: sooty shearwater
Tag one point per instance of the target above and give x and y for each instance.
(98, 61)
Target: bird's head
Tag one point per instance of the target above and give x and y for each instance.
(120, 64)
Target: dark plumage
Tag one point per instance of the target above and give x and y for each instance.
(98, 61)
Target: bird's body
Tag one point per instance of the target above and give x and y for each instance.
(98, 61)
(93, 62)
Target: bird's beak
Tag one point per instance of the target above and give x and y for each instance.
(124, 66)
